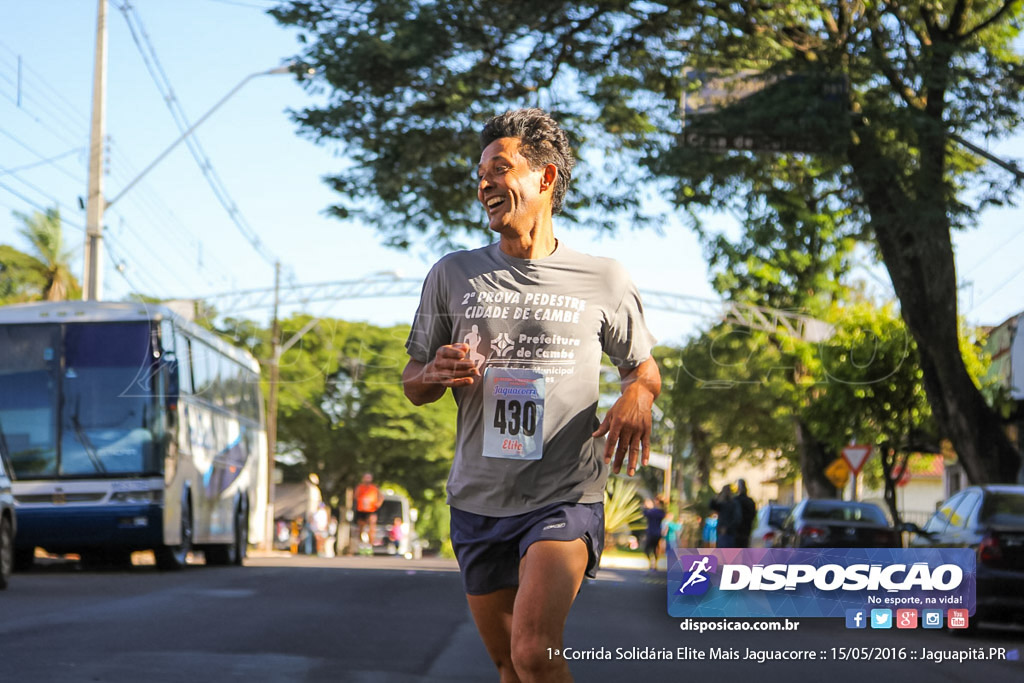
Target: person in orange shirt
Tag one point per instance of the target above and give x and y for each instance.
(368, 501)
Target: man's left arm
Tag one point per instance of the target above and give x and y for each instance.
(628, 423)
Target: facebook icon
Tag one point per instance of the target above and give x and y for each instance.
(856, 618)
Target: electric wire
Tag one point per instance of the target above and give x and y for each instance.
(149, 56)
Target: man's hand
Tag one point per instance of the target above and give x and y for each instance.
(426, 382)
(628, 423)
(451, 367)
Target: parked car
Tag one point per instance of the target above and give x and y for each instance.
(8, 524)
(990, 521)
(821, 523)
(767, 523)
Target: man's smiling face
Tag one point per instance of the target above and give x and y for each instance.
(510, 191)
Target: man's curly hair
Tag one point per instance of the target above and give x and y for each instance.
(541, 141)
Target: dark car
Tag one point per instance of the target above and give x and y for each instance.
(990, 521)
(821, 523)
(767, 523)
(8, 524)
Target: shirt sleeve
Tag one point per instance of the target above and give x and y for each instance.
(432, 325)
(625, 337)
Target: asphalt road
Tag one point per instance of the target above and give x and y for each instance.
(369, 620)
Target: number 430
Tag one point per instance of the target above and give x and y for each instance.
(512, 416)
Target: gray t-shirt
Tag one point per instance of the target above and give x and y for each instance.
(537, 329)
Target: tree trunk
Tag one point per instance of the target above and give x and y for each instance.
(913, 235)
(814, 458)
(702, 453)
(893, 468)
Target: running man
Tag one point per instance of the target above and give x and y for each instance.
(531, 460)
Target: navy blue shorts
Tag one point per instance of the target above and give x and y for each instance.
(489, 548)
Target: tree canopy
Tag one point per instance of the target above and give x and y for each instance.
(343, 411)
(46, 272)
(862, 104)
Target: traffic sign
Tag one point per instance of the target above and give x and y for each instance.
(855, 456)
(838, 472)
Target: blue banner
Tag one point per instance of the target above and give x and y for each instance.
(826, 582)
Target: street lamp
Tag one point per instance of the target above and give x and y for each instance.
(97, 204)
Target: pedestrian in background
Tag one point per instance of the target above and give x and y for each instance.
(654, 513)
(368, 502)
(748, 510)
(729, 516)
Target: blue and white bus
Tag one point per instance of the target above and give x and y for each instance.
(128, 428)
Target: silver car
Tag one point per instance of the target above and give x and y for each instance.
(8, 524)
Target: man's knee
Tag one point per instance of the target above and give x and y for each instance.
(532, 658)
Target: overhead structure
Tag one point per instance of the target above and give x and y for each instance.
(390, 285)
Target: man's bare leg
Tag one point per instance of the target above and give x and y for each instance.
(493, 616)
(550, 574)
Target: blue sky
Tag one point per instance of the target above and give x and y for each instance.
(174, 237)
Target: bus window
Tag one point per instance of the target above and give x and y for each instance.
(109, 404)
(203, 369)
(184, 363)
(251, 392)
(28, 397)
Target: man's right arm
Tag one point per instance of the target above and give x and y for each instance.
(426, 382)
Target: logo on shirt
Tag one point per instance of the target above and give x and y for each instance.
(503, 345)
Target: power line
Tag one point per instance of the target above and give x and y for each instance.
(44, 162)
(995, 251)
(995, 291)
(68, 106)
(152, 62)
(26, 112)
(40, 155)
(37, 189)
(39, 207)
(157, 207)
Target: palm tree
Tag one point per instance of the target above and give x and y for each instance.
(45, 232)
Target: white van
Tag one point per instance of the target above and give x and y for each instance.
(396, 509)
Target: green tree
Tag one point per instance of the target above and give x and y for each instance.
(731, 393)
(45, 233)
(877, 93)
(343, 410)
(21, 276)
(873, 390)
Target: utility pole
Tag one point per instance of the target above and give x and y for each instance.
(275, 368)
(93, 275)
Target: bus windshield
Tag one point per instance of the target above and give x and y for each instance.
(76, 400)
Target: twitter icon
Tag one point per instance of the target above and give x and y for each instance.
(881, 618)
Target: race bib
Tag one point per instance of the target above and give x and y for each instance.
(513, 413)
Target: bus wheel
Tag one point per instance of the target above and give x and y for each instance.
(174, 557)
(24, 558)
(105, 558)
(234, 552)
(6, 551)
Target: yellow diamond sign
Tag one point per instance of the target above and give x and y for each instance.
(838, 472)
